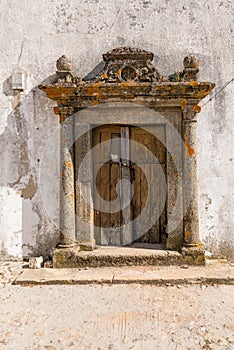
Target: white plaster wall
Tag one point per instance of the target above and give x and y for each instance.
(35, 33)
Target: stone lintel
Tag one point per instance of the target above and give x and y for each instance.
(93, 94)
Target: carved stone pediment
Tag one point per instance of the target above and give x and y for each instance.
(128, 64)
(128, 52)
(129, 75)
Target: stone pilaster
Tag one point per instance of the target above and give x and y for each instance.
(192, 244)
(67, 192)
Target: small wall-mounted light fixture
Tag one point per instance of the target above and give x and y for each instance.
(18, 80)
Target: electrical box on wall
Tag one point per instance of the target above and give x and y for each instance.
(18, 80)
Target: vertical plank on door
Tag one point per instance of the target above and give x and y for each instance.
(97, 203)
(125, 188)
(115, 216)
(155, 189)
(136, 201)
(148, 155)
(105, 195)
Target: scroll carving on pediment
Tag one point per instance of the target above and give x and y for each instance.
(128, 64)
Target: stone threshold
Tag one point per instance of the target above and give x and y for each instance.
(135, 255)
(214, 273)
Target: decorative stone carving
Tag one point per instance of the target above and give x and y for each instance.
(63, 72)
(128, 64)
(191, 70)
(191, 63)
(123, 53)
(63, 64)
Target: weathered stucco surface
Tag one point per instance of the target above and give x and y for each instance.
(35, 34)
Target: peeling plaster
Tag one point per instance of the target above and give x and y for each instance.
(30, 190)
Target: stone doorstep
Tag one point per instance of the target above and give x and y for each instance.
(126, 256)
(212, 274)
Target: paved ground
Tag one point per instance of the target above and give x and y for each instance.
(115, 317)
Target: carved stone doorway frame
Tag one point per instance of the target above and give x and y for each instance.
(130, 77)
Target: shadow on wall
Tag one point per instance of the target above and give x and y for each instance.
(29, 183)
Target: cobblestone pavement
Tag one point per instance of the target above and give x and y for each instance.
(114, 317)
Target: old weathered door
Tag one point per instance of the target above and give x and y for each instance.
(148, 154)
(128, 211)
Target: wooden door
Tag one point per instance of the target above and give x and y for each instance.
(149, 181)
(112, 150)
(107, 170)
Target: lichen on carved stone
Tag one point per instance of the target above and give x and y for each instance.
(63, 64)
(190, 72)
(128, 64)
(191, 61)
(64, 74)
(125, 53)
(128, 74)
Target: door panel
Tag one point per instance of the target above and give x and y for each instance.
(108, 220)
(111, 164)
(148, 184)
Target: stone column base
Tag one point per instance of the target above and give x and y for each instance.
(66, 256)
(194, 255)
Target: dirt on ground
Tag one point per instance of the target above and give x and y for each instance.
(114, 317)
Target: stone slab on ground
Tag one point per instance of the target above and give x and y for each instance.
(106, 256)
(213, 273)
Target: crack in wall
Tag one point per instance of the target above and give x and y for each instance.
(21, 51)
(218, 92)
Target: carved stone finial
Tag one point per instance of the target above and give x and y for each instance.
(63, 64)
(190, 71)
(63, 72)
(191, 63)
